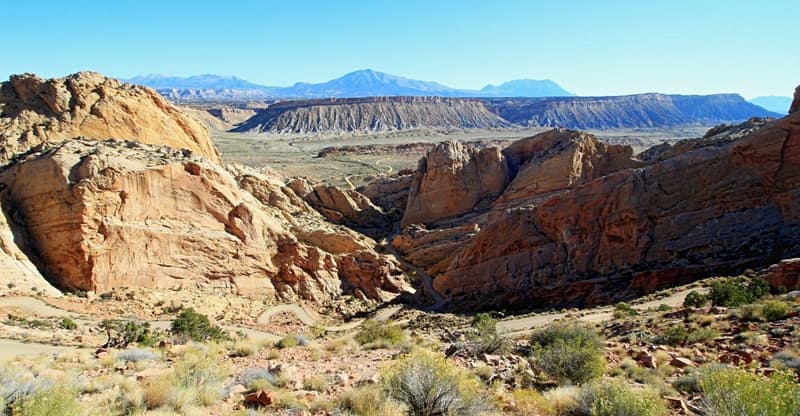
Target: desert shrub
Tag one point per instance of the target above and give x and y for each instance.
(198, 377)
(429, 385)
(367, 401)
(775, 309)
(243, 349)
(563, 400)
(737, 291)
(530, 403)
(257, 375)
(787, 359)
(291, 341)
(673, 335)
(121, 334)
(731, 391)
(688, 383)
(664, 307)
(68, 324)
(316, 382)
(695, 299)
(57, 400)
(568, 353)
(195, 326)
(701, 335)
(379, 334)
(751, 312)
(616, 398)
(136, 355)
(623, 310)
(489, 339)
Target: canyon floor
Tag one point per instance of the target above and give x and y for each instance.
(297, 155)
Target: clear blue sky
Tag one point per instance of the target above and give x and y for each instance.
(589, 47)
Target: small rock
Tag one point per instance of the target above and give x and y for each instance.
(261, 398)
(681, 362)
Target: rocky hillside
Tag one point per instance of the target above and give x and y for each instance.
(34, 110)
(642, 110)
(96, 215)
(371, 114)
(561, 218)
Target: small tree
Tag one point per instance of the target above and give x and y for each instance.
(489, 339)
(196, 327)
(569, 353)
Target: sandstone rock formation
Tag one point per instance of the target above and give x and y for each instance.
(785, 274)
(453, 180)
(17, 272)
(35, 111)
(796, 102)
(107, 214)
(456, 179)
(713, 210)
(347, 207)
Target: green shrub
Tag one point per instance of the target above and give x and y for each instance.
(616, 398)
(195, 326)
(489, 339)
(531, 403)
(429, 385)
(568, 353)
(674, 335)
(68, 324)
(367, 401)
(291, 341)
(737, 291)
(58, 400)
(775, 309)
(121, 334)
(379, 334)
(623, 310)
(751, 312)
(701, 335)
(730, 391)
(695, 299)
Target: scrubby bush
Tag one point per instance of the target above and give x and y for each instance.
(58, 400)
(291, 341)
(695, 299)
(530, 403)
(787, 359)
(568, 353)
(623, 310)
(428, 385)
(195, 326)
(257, 377)
(775, 309)
(198, 377)
(374, 334)
(317, 382)
(737, 291)
(367, 401)
(701, 335)
(731, 391)
(121, 334)
(616, 398)
(68, 324)
(489, 339)
(674, 335)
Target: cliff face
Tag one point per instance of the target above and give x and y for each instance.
(716, 209)
(641, 110)
(371, 114)
(108, 214)
(34, 111)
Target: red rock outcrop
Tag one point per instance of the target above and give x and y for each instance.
(34, 111)
(713, 210)
(452, 180)
(785, 275)
(796, 102)
(107, 214)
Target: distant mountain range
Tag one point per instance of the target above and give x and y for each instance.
(362, 83)
(773, 103)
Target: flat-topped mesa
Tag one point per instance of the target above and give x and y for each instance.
(35, 111)
(710, 211)
(371, 114)
(106, 214)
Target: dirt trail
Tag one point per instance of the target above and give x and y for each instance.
(427, 281)
(10, 349)
(34, 306)
(521, 326)
(305, 317)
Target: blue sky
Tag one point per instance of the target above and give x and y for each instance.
(589, 47)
